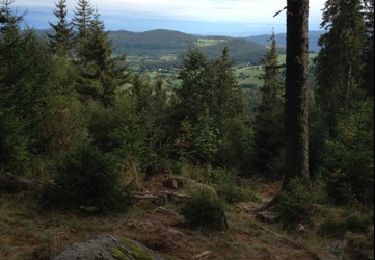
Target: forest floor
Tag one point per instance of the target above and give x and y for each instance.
(27, 233)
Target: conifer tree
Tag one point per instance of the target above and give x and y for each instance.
(13, 140)
(205, 139)
(340, 61)
(271, 76)
(82, 19)
(196, 92)
(369, 48)
(61, 40)
(296, 95)
(227, 101)
(10, 36)
(269, 128)
(103, 73)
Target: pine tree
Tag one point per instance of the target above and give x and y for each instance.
(271, 75)
(205, 139)
(227, 101)
(269, 128)
(10, 36)
(369, 48)
(297, 141)
(103, 73)
(13, 140)
(196, 93)
(60, 41)
(340, 61)
(82, 19)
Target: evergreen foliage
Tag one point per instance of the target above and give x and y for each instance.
(61, 40)
(205, 139)
(86, 178)
(196, 91)
(340, 61)
(204, 210)
(349, 159)
(102, 73)
(369, 48)
(81, 21)
(269, 136)
(73, 118)
(345, 139)
(296, 204)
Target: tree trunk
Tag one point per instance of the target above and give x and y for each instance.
(297, 144)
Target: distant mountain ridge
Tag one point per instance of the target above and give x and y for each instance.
(161, 42)
(281, 39)
(155, 45)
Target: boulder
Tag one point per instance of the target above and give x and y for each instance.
(107, 247)
(10, 183)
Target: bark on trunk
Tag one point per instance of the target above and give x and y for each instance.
(297, 145)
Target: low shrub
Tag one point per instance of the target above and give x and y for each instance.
(348, 163)
(86, 178)
(296, 204)
(227, 188)
(204, 210)
(232, 193)
(353, 222)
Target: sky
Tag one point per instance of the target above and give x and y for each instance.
(224, 17)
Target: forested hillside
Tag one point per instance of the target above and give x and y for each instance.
(281, 40)
(101, 158)
(152, 46)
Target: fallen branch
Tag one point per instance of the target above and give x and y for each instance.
(145, 197)
(175, 194)
(204, 254)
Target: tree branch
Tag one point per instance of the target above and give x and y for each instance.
(278, 12)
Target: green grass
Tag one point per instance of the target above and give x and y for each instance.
(281, 58)
(249, 75)
(204, 42)
(168, 57)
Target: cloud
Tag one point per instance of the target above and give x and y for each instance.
(245, 12)
(194, 10)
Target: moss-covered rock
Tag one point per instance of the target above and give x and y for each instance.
(108, 247)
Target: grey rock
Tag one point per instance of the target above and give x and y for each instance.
(107, 247)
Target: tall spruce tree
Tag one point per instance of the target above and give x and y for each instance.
(340, 61)
(296, 95)
(13, 141)
(82, 19)
(269, 128)
(369, 48)
(103, 73)
(271, 75)
(195, 94)
(61, 40)
(227, 101)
